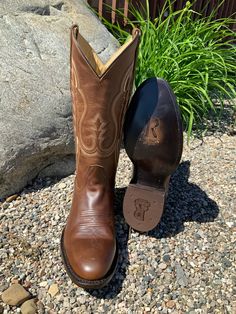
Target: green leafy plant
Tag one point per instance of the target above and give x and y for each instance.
(195, 54)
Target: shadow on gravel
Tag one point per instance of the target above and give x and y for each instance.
(186, 202)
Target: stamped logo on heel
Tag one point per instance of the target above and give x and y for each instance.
(142, 206)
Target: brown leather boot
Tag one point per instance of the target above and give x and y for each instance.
(100, 94)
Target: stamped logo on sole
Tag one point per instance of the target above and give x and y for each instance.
(142, 206)
(152, 132)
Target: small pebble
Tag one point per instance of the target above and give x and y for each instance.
(166, 258)
(162, 266)
(29, 307)
(170, 304)
(15, 295)
(61, 186)
(43, 284)
(11, 198)
(53, 290)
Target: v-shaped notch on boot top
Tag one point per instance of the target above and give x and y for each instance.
(91, 56)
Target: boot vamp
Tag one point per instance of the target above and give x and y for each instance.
(90, 258)
(89, 237)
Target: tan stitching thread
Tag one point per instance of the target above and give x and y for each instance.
(96, 126)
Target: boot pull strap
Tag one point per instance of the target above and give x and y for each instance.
(75, 30)
(136, 32)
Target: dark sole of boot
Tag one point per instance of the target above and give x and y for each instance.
(145, 196)
(83, 283)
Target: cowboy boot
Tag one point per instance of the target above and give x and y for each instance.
(100, 95)
(153, 140)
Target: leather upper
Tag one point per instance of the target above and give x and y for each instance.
(100, 98)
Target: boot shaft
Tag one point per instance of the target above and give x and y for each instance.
(100, 94)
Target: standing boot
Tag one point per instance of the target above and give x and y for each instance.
(153, 139)
(100, 95)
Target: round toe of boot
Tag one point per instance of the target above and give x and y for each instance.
(90, 267)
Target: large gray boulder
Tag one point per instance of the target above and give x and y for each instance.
(36, 137)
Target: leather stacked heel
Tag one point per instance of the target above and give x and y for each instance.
(153, 140)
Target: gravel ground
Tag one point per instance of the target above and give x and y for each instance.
(185, 265)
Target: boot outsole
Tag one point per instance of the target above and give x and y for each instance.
(144, 199)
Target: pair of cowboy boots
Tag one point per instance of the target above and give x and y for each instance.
(153, 141)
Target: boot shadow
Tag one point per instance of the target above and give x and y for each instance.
(185, 202)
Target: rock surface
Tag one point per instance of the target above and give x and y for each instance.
(15, 295)
(35, 104)
(29, 307)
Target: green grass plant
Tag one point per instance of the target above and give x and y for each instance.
(195, 54)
